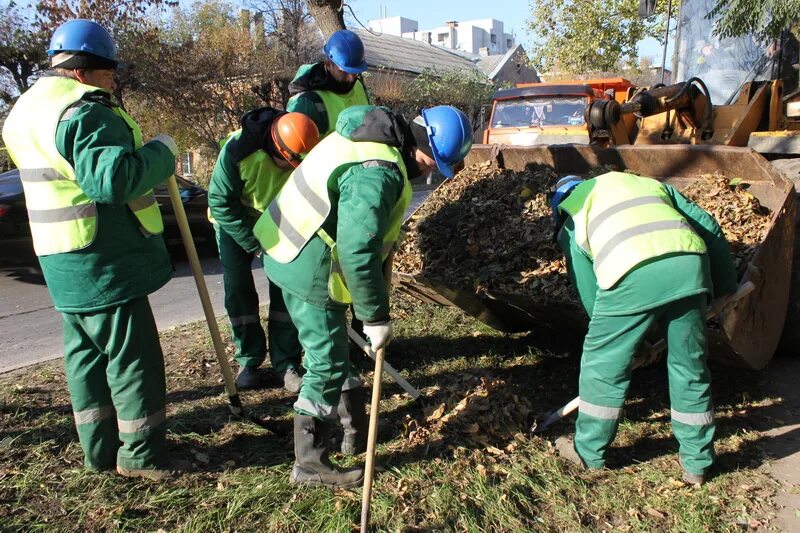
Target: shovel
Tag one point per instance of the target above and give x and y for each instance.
(234, 402)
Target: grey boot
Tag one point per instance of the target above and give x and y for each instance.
(355, 422)
(312, 466)
(292, 380)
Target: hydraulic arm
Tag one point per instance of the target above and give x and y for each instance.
(689, 99)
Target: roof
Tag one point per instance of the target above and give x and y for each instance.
(408, 55)
(488, 64)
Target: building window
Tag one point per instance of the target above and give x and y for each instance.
(509, 42)
(493, 38)
(441, 37)
(186, 164)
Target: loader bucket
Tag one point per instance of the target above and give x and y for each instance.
(748, 333)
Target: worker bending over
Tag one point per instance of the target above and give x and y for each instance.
(639, 253)
(96, 227)
(252, 167)
(326, 236)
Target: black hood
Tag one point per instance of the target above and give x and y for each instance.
(256, 126)
(380, 125)
(317, 78)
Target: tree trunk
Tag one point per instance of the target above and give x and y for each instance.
(327, 15)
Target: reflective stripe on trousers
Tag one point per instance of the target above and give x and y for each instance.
(600, 411)
(142, 424)
(244, 320)
(705, 418)
(92, 416)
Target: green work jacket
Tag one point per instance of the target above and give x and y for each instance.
(365, 197)
(660, 280)
(121, 263)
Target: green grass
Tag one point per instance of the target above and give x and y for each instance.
(463, 460)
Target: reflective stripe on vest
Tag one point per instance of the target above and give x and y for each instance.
(261, 177)
(622, 220)
(302, 206)
(62, 217)
(336, 103)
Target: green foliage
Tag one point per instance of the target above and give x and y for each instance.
(763, 18)
(575, 36)
(467, 90)
(22, 50)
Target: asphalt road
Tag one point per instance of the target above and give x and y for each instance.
(30, 329)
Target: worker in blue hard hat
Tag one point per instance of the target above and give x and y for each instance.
(639, 253)
(326, 236)
(323, 90)
(88, 178)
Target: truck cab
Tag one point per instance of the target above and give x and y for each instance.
(548, 113)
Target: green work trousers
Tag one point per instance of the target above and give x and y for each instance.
(241, 304)
(323, 335)
(608, 351)
(115, 374)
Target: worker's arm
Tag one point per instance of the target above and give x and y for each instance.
(723, 271)
(579, 266)
(367, 197)
(310, 104)
(225, 202)
(107, 166)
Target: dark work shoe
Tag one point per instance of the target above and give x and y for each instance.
(248, 378)
(174, 468)
(292, 380)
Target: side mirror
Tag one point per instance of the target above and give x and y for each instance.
(646, 8)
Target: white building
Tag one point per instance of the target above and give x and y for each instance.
(478, 37)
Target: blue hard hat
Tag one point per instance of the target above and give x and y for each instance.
(562, 189)
(82, 35)
(346, 51)
(449, 136)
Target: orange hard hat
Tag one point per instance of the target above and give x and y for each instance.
(294, 134)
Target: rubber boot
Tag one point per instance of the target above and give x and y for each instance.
(312, 466)
(355, 422)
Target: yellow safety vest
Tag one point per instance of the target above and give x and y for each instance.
(333, 103)
(303, 204)
(622, 220)
(62, 217)
(262, 179)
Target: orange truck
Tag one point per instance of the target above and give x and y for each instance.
(550, 113)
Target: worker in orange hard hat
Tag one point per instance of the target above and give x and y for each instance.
(253, 165)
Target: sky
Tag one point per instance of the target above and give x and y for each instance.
(433, 13)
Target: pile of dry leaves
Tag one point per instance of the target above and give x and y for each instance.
(741, 216)
(491, 229)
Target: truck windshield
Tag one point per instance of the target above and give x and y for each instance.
(538, 111)
(723, 64)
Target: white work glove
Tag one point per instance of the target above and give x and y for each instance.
(379, 334)
(167, 141)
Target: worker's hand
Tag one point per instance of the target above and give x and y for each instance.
(167, 141)
(379, 334)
